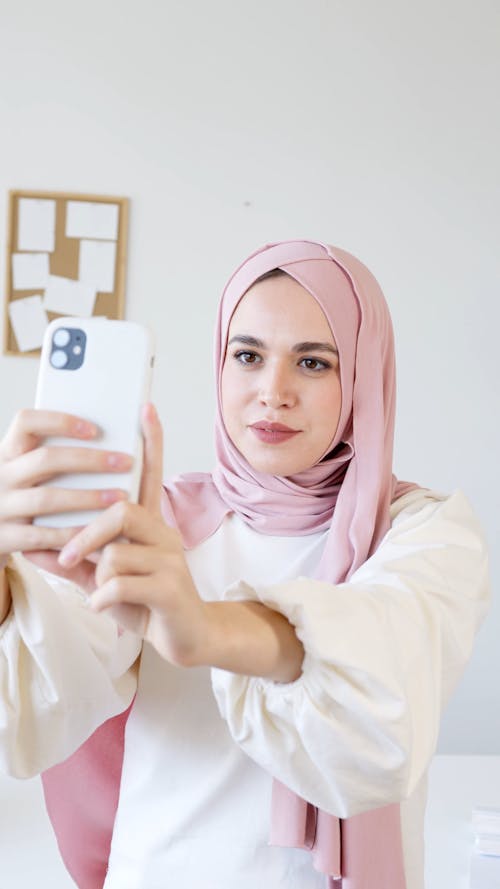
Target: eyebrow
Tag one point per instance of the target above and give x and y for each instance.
(306, 346)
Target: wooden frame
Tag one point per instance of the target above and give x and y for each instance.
(64, 259)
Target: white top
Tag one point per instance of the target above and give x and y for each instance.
(357, 730)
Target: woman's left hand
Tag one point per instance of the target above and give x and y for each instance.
(142, 574)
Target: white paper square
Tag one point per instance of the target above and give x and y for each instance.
(37, 224)
(30, 271)
(97, 264)
(67, 297)
(29, 321)
(85, 219)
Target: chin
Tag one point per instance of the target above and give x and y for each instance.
(273, 464)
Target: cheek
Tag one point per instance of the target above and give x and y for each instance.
(329, 407)
(230, 392)
(337, 398)
(329, 393)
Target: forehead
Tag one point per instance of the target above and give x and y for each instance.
(280, 304)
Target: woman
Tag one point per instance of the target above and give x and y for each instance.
(335, 606)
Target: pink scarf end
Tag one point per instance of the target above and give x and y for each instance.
(297, 824)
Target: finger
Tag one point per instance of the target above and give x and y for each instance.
(134, 618)
(123, 519)
(126, 590)
(29, 426)
(23, 538)
(30, 502)
(127, 558)
(38, 466)
(152, 472)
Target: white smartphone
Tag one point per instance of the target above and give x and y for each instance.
(99, 370)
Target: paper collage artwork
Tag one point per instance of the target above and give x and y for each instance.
(94, 225)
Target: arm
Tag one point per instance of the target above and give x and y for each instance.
(253, 639)
(383, 653)
(245, 637)
(356, 730)
(63, 670)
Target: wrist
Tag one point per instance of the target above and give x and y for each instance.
(209, 640)
(248, 638)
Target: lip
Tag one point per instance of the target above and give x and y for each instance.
(272, 433)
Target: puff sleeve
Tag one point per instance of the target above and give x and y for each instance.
(383, 652)
(63, 670)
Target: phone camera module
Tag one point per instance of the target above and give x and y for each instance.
(68, 348)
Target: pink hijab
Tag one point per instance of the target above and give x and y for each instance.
(349, 492)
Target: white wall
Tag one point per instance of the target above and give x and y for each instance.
(371, 125)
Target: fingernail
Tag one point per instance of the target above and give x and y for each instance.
(119, 461)
(87, 430)
(108, 497)
(68, 556)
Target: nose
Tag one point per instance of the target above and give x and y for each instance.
(277, 390)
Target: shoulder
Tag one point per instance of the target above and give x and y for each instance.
(423, 504)
(425, 516)
(435, 548)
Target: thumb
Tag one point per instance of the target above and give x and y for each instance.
(152, 469)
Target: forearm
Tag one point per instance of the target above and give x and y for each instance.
(253, 640)
(5, 598)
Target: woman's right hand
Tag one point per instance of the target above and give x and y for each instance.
(26, 463)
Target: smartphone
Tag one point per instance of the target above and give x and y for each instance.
(99, 370)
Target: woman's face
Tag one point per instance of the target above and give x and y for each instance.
(280, 387)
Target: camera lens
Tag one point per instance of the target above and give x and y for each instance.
(58, 358)
(61, 337)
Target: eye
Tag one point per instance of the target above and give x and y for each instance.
(246, 357)
(315, 364)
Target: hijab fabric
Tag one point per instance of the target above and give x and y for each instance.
(349, 492)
